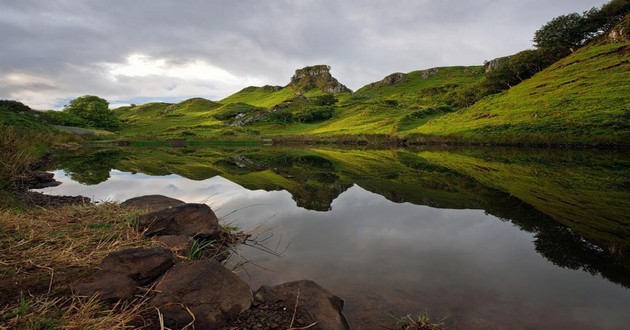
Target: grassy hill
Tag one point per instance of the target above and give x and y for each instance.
(583, 98)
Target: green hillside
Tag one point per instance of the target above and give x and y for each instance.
(582, 98)
(386, 107)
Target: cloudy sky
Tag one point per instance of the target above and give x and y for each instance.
(169, 50)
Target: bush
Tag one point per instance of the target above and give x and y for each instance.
(316, 114)
(64, 118)
(281, 116)
(13, 106)
(326, 99)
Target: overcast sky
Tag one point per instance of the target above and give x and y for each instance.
(154, 50)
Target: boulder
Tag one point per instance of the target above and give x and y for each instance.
(151, 202)
(121, 272)
(176, 242)
(109, 286)
(203, 288)
(195, 220)
(314, 303)
(142, 265)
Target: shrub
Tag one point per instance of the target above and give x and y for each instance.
(326, 99)
(315, 114)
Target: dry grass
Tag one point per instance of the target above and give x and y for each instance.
(45, 250)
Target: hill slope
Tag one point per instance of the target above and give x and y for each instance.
(583, 98)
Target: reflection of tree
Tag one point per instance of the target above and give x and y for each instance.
(92, 168)
(558, 243)
(566, 249)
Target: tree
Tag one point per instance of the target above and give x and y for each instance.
(562, 34)
(94, 111)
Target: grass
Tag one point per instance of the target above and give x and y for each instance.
(421, 321)
(583, 98)
(46, 249)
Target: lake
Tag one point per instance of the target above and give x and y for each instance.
(485, 238)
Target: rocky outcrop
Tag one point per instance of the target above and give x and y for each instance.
(392, 79)
(315, 305)
(120, 273)
(491, 65)
(426, 74)
(202, 291)
(151, 202)
(621, 32)
(194, 220)
(317, 76)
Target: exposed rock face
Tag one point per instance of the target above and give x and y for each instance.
(426, 74)
(121, 272)
(212, 293)
(621, 32)
(317, 76)
(151, 202)
(272, 88)
(392, 79)
(194, 220)
(494, 64)
(314, 303)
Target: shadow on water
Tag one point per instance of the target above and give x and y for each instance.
(575, 203)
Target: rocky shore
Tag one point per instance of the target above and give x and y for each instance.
(202, 293)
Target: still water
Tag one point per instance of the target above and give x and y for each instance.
(488, 240)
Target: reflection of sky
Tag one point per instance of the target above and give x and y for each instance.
(383, 257)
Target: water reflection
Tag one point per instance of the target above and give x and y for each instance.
(477, 235)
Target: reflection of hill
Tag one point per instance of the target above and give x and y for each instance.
(574, 202)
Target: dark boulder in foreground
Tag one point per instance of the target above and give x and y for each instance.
(151, 202)
(315, 305)
(121, 272)
(194, 220)
(141, 265)
(203, 288)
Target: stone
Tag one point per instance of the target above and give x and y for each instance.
(392, 79)
(141, 265)
(195, 220)
(176, 242)
(36, 180)
(121, 272)
(109, 286)
(314, 303)
(205, 288)
(151, 202)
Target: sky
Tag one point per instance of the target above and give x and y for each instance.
(170, 50)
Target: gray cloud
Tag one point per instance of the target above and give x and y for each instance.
(53, 51)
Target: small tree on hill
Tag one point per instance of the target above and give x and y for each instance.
(94, 111)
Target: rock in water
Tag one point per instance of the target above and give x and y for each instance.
(194, 220)
(204, 288)
(314, 304)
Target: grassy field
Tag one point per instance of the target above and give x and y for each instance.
(581, 99)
